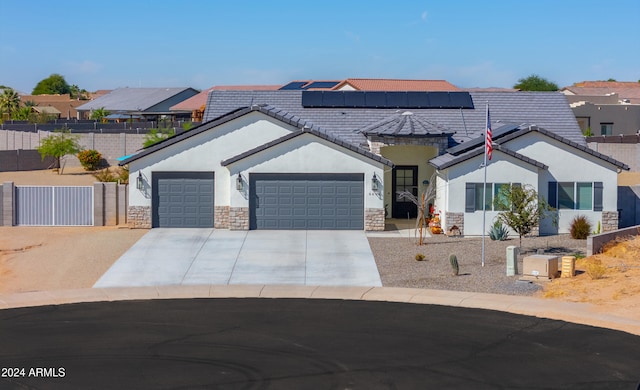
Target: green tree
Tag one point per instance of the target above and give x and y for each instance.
(535, 83)
(523, 208)
(23, 113)
(158, 134)
(77, 93)
(52, 85)
(59, 145)
(9, 101)
(99, 114)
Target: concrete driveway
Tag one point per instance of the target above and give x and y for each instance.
(208, 256)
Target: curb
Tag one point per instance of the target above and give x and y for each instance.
(580, 313)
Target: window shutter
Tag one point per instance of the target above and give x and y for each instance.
(470, 198)
(597, 196)
(552, 197)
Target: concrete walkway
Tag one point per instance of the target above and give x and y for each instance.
(207, 256)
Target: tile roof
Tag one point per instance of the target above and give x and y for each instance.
(545, 109)
(447, 160)
(133, 99)
(195, 102)
(246, 87)
(398, 85)
(199, 101)
(625, 90)
(303, 125)
(503, 135)
(405, 124)
(307, 130)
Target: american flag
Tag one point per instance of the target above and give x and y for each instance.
(489, 144)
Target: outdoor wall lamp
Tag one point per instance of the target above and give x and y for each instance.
(374, 183)
(239, 183)
(139, 181)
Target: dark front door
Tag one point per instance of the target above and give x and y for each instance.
(404, 178)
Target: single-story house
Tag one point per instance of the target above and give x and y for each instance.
(305, 159)
(149, 103)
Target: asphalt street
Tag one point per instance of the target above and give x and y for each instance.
(260, 343)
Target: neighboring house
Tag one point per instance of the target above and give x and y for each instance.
(51, 112)
(149, 103)
(197, 103)
(65, 107)
(289, 158)
(606, 107)
(357, 84)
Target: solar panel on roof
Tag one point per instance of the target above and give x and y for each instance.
(460, 100)
(396, 100)
(375, 99)
(354, 99)
(322, 84)
(417, 100)
(294, 85)
(312, 99)
(439, 100)
(330, 99)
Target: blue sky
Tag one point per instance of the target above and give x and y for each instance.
(111, 44)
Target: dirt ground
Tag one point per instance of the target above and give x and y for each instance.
(616, 292)
(72, 176)
(50, 258)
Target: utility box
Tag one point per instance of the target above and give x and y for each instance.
(568, 266)
(540, 267)
(512, 260)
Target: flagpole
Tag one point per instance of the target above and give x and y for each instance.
(484, 186)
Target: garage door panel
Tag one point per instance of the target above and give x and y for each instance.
(307, 201)
(182, 199)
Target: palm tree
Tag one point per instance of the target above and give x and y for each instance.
(9, 101)
(99, 113)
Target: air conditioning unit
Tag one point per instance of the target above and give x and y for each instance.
(540, 267)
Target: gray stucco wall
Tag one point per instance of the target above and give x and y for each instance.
(625, 117)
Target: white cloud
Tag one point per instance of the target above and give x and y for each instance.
(424, 15)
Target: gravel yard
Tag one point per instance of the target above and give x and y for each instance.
(396, 262)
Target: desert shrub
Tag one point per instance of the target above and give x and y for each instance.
(90, 159)
(420, 257)
(123, 174)
(120, 175)
(595, 269)
(105, 176)
(580, 227)
(498, 231)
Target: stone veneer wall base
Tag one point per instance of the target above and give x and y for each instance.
(374, 219)
(139, 217)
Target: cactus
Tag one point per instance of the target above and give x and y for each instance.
(453, 259)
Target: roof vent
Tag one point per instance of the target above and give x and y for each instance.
(407, 113)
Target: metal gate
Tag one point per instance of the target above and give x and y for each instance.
(54, 206)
